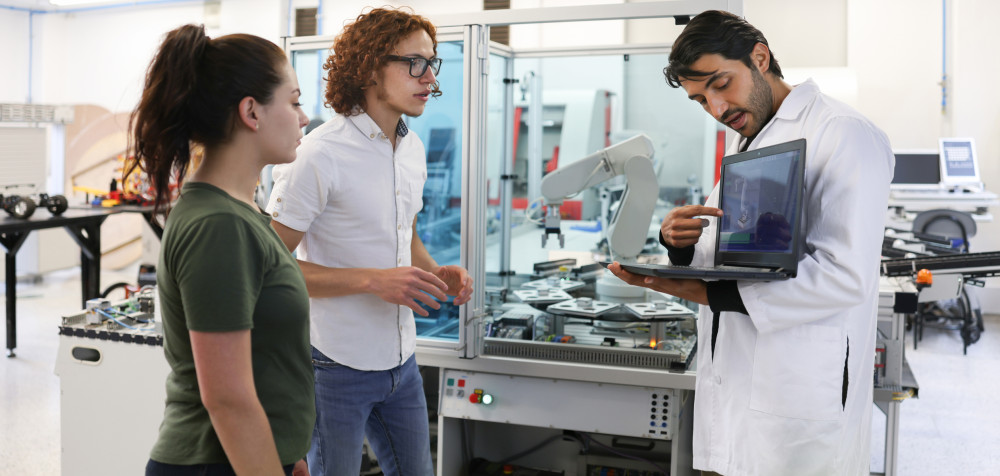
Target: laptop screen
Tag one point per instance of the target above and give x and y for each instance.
(916, 169)
(760, 197)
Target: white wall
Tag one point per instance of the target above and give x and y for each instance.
(894, 52)
(13, 56)
(100, 57)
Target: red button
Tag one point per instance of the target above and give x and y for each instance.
(474, 398)
(461, 382)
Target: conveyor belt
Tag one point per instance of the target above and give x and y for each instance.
(971, 265)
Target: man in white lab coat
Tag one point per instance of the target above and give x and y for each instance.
(785, 367)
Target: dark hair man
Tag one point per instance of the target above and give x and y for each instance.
(349, 204)
(784, 377)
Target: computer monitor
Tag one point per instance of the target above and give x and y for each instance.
(958, 162)
(440, 147)
(916, 169)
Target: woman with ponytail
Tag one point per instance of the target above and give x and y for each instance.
(234, 305)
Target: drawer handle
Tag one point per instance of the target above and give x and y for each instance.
(86, 354)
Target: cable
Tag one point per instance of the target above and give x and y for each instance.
(546, 442)
(624, 455)
(528, 212)
(109, 316)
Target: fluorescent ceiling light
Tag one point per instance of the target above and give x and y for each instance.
(66, 3)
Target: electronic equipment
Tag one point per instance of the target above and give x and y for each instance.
(759, 234)
(111, 370)
(916, 170)
(959, 166)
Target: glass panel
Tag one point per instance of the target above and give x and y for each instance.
(308, 66)
(439, 128)
(589, 102)
(439, 222)
(496, 153)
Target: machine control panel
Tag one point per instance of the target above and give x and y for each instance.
(614, 409)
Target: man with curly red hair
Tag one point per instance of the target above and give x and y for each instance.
(349, 205)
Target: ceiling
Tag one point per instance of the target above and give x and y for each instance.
(46, 6)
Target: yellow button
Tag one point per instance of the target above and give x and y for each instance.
(399, 227)
(372, 136)
(279, 199)
(397, 192)
(274, 214)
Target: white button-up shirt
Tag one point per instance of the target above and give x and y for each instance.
(770, 402)
(355, 199)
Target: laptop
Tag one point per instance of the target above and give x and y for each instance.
(759, 234)
(916, 169)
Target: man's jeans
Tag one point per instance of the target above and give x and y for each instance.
(387, 406)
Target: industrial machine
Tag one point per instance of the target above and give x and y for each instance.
(111, 372)
(631, 158)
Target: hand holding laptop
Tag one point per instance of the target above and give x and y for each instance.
(681, 229)
(694, 290)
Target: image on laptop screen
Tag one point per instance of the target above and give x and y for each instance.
(958, 162)
(760, 200)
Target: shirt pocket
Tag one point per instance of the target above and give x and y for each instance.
(413, 197)
(798, 373)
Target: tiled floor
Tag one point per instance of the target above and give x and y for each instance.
(953, 428)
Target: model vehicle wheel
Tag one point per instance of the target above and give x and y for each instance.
(23, 207)
(56, 204)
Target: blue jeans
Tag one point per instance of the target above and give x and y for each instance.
(156, 468)
(387, 406)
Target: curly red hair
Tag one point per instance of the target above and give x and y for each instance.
(360, 50)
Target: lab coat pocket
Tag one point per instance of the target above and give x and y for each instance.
(799, 372)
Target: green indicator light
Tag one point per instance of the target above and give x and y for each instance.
(487, 399)
(451, 382)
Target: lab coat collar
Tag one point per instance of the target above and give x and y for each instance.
(791, 108)
(797, 100)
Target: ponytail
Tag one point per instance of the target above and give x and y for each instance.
(192, 91)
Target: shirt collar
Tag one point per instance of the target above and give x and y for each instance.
(370, 129)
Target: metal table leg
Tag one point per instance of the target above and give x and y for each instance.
(12, 241)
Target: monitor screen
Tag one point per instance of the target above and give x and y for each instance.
(440, 146)
(759, 204)
(917, 168)
(958, 161)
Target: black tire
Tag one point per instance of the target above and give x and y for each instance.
(57, 204)
(23, 207)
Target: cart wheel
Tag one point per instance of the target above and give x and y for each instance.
(56, 204)
(23, 207)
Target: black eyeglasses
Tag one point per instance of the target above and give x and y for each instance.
(418, 64)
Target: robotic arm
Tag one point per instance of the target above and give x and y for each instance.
(629, 225)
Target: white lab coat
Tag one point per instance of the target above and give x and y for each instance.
(770, 401)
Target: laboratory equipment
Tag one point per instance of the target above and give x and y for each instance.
(111, 370)
(628, 228)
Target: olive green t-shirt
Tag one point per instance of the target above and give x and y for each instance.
(223, 268)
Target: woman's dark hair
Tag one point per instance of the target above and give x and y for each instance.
(714, 32)
(191, 95)
(362, 48)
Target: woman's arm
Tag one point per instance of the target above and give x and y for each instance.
(225, 378)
